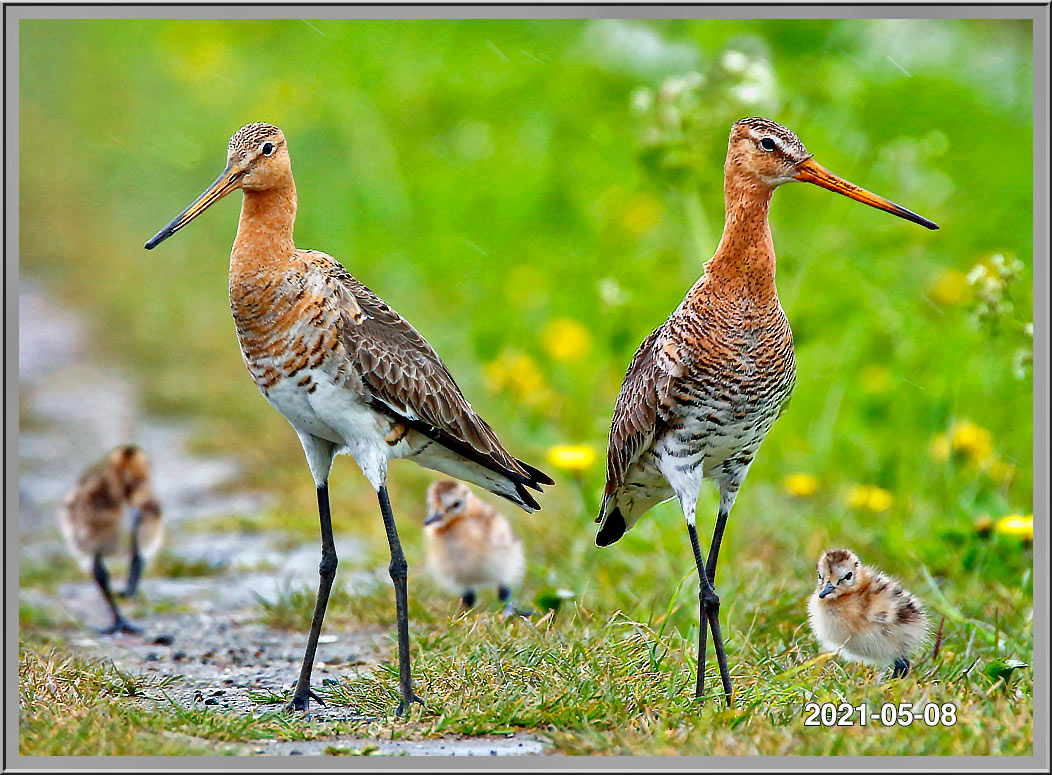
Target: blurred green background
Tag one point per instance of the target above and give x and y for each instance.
(537, 196)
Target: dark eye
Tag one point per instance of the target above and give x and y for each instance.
(454, 505)
(848, 576)
(768, 144)
(268, 148)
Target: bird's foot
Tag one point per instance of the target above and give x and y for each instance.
(126, 593)
(403, 706)
(511, 610)
(301, 701)
(120, 626)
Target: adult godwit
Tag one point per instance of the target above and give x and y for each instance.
(864, 614)
(704, 388)
(346, 370)
(92, 520)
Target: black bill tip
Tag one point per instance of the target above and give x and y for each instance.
(909, 215)
(159, 237)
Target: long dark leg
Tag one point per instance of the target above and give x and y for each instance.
(714, 608)
(327, 571)
(902, 666)
(468, 599)
(399, 572)
(709, 604)
(136, 565)
(714, 547)
(102, 578)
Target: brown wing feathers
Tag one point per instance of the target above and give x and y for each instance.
(631, 429)
(409, 381)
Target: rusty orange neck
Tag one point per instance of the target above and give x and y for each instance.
(744, 263)
(264, 232)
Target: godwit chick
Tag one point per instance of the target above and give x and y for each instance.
(470, 544)
(864, 614)
(346, 370)
(92, 520)
(703, 389)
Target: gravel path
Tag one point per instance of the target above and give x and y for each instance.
(73, 410)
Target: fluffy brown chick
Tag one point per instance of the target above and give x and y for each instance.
(92, 520)
(865, 614)
(470, 544)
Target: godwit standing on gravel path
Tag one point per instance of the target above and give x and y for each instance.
(703, 390)
(92, 520)
(346, 370)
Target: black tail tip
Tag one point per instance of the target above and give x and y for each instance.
(527, 499)
(612, 529)
(901, 666)
(537, 475)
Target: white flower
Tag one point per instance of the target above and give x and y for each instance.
(642, 99)
(734, 61)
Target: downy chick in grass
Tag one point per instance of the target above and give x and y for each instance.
(470, 544)
(865, 614)
(92, 519)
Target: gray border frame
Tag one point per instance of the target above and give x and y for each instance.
(1039, 14)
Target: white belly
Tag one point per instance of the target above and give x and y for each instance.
(294, 402)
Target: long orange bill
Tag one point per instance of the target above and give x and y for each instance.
(811, 172)
(222, 186)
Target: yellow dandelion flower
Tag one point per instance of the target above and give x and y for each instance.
(971, 441)
(566, 340)
(800, 485)
(950, 290)
(518, 374)
(572, 457)
(879, 500)
(870, 498)
(496, 374)
(525, 377)
(1016, 525)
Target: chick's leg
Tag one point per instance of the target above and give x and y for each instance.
(102, 578)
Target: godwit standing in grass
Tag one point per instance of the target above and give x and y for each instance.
(92, 520)
(470, 544)
(346, 370)
(705, 387)
(864, 614)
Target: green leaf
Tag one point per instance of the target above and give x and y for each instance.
(1002, 668)
(551, 599)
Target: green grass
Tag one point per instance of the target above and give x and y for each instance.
(48, 575)
(496, 175)
(169, 565)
